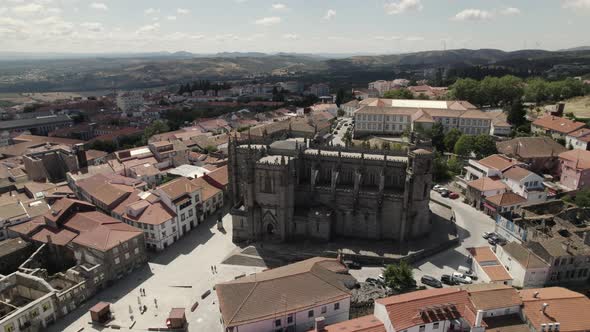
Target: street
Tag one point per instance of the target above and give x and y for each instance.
(471, 224)
(175, 278)
(345, 124)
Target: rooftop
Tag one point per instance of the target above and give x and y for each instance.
(558, 124)
(563, 307)
(506, 199)
(580, 157)
(486, 183)
(524, 256)
(498, 162)
(530, 147)
(517, 173)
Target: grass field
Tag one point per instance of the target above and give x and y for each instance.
(580, 106)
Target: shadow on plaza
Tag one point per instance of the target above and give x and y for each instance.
(445, 235)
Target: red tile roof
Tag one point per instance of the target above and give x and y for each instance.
(565, 307)
(219, 176)
(506, 199)
(561, 125)
(580, 157)
(517, 173)
(207, 190)
(485, 184)
(498, 162)
(368, 323)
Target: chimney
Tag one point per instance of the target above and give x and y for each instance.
(544, 307)
(48, 238)
(320, 323)
(536, 295)
(478, 318)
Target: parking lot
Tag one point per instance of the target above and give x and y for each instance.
(343, 124)
(471, 224)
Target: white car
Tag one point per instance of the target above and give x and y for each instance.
(462, 278)
(381, 277)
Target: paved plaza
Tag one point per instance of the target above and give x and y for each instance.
(174, 278)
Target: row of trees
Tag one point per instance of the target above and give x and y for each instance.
(203, 85)
(500, 91)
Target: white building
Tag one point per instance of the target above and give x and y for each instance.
(525, 183)
(183, 198)
(287, 298)
(578, 140)
(527, 269)
(130, 101)
(487, 267)
(491, 166)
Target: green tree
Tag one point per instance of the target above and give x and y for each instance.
(484, 145)
(340, 113)
(437, 135)
(467, 89)
(465, 145)
(515, 113)
(582, 198)
(440, 169)
(399, 276)
(347, 138)
(340, 95)
(454, 166)
(399, 94)
(451, 139)
(536, 90)
(157, 127)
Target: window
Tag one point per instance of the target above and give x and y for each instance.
(182, 217)
(435, 326)
(115, 250)
(422, 328)
(310, 314)
(163, 234)
(277, 322)
(190, 213)
(324, 309)
(290, 319)
(337, 306)
(151, 227)
(136, 251)
(46, 306)
(117, 260)
(173, 229)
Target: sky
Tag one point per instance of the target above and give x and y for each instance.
(303, 26)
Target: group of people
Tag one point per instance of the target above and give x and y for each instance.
(213, 269)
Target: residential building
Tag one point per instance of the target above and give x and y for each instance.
(526, 268)
(428, 91)
(36, 126)
(289, 298)
(331, 196)
(504, 203)
(106, 191)
(540, 154)
(575, 169)
(490, 166)
(525, 183)
(578, 139)
(78, 232)
(487, 267)
(320, 89)
(212, 197)
(555, 127)
(218, 178)
(13, 252)
(478, 190)
(555, 309)
(11, 214)
(157, 221)
(350, 107)
(183, 198)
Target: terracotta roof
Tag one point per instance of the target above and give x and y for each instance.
(386, 110)
(101, 232)
(509, 323)
(485, 184)
(506, 199)
(489, 263)
(219, 175)
(581, 134)
(524, 256)
(482, 254)
(492, 296)
(517, 173)
(154, 213)
(305, 284)
(564, 307)
(179, 187)
(580, 157)
(207, 190)
(99, 187)
(530, 147)
(368, 323)
(416, 308)
(498, 162)
(561, 125)
(60, 237)
(497, 273)
(95, 154)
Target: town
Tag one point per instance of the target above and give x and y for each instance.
(397, 206)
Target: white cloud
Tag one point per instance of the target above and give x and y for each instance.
(92, 26)
(414, 38)
(54, 10)
(473, 15)
(510, 11)
(576, 4)
(279, 6)
(148, 28)
(171, 18)
(394, 8)
(182, 11)
(3, 10)
(291, 36)
(268, 21)
(99, 6)
(387, 38)
(151, 11)
(32, 8)
(330, 14)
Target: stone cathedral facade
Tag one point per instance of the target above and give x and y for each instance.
(290, 190)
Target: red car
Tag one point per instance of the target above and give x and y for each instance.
(453, 195)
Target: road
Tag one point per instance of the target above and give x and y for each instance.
(175, 278)
(337, 139)
(471, 223)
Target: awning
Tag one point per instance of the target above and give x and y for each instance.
(489, 207)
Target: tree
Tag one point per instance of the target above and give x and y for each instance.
(437, 135)
(399, 276)
(454, 165)
(340, 113)
(464, 145)
(484, 145)
(440, 169)
(157, 127)
(399, 94)
(451, 139)
(347, 137)
(516, 113)
(467, 89)
(340, 95)
(583, 198)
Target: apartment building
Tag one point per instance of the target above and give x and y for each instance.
(575, 169)
(555, 126)
(183, 198)
(525, 183)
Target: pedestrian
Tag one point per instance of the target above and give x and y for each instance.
(156, 302)
(211, 268)
(215, 267)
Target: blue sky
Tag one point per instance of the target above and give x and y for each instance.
(311, 26)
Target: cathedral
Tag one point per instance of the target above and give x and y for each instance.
(292, 190)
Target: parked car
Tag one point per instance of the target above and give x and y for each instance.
(436, 187)
(453, 195)
(486, 235)
(353, 265)
(371, 280)
(381, 277)
(448, 280)
(444, 193)
(431, 281)
(467, 272)
(460, 277)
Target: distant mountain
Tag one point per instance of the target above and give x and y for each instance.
(575, 49)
